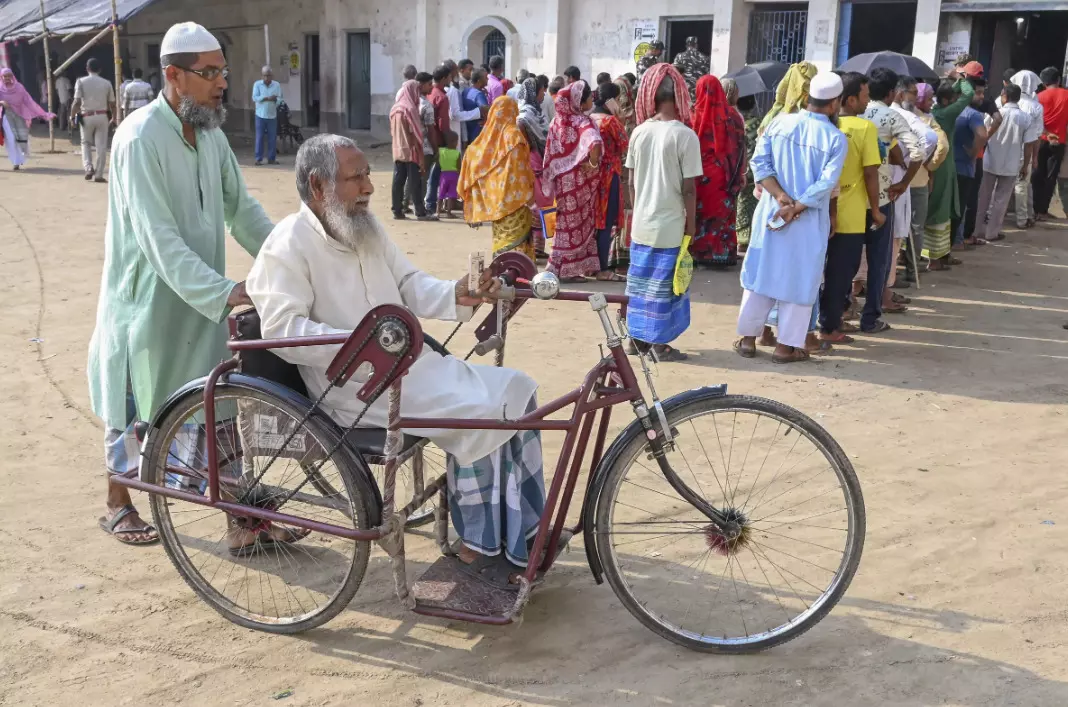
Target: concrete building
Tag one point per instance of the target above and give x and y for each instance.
(340, 61)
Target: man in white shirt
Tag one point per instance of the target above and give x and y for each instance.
(1007, 155)
(321, 271)
(664, 158)
(1028, 82)
(458, 116)
(63, 89)
(94, 99)
(137, 94)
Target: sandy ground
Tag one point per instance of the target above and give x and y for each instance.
(955, 422)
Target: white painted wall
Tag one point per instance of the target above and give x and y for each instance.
(238, 24)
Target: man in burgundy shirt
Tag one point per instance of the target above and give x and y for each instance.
(495, 89)
(440, 100)
(1054, 100)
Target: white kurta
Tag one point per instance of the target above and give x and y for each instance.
(305, 283)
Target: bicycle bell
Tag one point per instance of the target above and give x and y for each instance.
(545, 285)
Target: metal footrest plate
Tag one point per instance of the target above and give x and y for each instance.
(446, 587)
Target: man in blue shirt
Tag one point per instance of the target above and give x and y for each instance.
(473, 97)
(797, 161)
(266, 94)
(968, 143)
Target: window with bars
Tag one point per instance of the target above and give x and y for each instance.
(776, 35)
(493, 45)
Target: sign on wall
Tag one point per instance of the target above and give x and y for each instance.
(643, 34)
(956, 44)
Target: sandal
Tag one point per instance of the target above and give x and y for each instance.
(108, 526)
(668, 354)
(795, 356)
(612, 277)
(900, 299)
(837, 338)
(822, 347)
(954, 261)
(880, 326)
(848, 328)
(264, 541)
(744, 351)
(495, 571)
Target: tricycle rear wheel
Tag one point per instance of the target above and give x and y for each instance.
(279, 587)
(785, 482)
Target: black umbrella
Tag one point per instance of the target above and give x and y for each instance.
(903, 64)
(759, 77)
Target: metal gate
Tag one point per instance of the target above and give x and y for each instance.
(776, 35)
(493, 45)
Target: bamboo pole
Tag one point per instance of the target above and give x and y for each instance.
(118, 60)
(83, 50)
(49, 83)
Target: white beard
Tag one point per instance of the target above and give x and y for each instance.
(357, 229)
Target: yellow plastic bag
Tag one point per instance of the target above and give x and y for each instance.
(683, 269)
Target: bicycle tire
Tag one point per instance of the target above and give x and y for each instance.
(360, 494)
(690, 407)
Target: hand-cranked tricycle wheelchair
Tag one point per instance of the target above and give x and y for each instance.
(724, 523)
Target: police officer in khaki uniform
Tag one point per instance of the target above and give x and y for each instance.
(94, 97)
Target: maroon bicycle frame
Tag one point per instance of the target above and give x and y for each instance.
(597, 393)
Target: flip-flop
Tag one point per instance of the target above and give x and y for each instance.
(669, 354)
(108, 526)
(265, 542)
(842, 339)
(796, 356)
(900, 299)
(744, 352)
(880, 326)
(848, 328)
(824, 347)
(614, 277)
(494, 571)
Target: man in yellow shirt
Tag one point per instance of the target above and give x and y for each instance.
(856, 206)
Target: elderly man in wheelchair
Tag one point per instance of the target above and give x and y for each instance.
(321, 271)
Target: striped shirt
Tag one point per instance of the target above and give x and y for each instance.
(138, 93)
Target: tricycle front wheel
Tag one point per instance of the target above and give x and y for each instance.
(783, 480)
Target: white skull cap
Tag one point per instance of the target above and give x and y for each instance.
(188, 38)
(825, 86)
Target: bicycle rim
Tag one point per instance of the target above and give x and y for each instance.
(789, 486)
(261, 575)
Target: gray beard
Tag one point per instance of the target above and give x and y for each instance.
(357, 228)
(192, 113)
(909, 106)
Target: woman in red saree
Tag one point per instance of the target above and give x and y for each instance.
(722, 134)
(610, 216)
(572, 170)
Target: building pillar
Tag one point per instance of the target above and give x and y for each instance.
(925, 42)
(821, 36)
(557, 40)
(426, 28)
(730, 30)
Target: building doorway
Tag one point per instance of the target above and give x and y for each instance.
(358, 102)
(877, 27)
(679, 30)
(1021, 40)
(494, 45)
(310, 80)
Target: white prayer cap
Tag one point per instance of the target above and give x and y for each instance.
(188, 38)
(825, 86)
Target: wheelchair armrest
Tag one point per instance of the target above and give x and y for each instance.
(434, 345)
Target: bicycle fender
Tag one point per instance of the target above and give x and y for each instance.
(262, 385)
(609, 458)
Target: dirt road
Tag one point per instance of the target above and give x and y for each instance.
(955, 422)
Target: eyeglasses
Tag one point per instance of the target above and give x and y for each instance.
(210, 73)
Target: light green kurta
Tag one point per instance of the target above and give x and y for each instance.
(159, 321)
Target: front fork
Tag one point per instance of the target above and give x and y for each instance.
(658, 432)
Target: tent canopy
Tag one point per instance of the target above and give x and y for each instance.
(22, 18)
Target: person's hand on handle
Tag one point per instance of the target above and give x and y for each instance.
(238, 296)
(488, 287)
